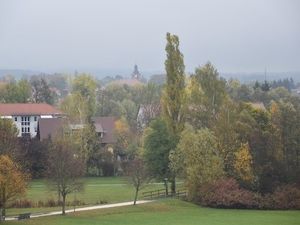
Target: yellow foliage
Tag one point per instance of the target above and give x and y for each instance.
(243, 164)
(13, 182)
(122, 133)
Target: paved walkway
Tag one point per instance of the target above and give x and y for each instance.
(35, 215)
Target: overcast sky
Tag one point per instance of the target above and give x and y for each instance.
(64, 35)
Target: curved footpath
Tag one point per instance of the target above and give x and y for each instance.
(35, 215)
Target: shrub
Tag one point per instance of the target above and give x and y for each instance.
(284, 197)
(22, 203)
(51, 203)
(226, 193)
(107, 169)
(40, 204)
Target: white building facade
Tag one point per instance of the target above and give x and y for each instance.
(26, 116)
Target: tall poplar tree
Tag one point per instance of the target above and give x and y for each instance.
(174, 93)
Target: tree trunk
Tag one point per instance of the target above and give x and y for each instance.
(58, 195)
(173, 185)
(136, 195)
(2, 213)
(63, 204)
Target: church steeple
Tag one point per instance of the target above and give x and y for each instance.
(136, 74)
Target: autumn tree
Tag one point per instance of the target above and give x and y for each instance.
(8, 137)
(198, 158)
(65, 169)
(173, 97)
(224, 129)
(243, 164)
(13, 183)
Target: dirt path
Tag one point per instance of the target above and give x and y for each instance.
(35, 215)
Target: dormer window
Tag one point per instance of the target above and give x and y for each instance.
(16, 119)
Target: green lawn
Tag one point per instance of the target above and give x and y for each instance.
(173, 212)
(108, 189)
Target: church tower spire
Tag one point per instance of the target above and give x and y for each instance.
(136, 74)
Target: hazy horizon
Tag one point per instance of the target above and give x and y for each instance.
(236, 36)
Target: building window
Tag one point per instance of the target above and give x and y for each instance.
(16, 119)
(35, 118)
(25, 125)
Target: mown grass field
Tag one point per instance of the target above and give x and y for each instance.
(107, 189)
(173, 212)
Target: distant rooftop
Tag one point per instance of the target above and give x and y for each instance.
(129, 82)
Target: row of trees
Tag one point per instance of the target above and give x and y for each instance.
(36, 90)
(211, 129)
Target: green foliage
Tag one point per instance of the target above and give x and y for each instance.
(84, 87)
(41, 91)
(227, 136)
(158, 142)
(200, 159)
(8, 137)
(16, 92)
(174, 91)
(206, 97)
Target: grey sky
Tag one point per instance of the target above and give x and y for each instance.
(235, 35)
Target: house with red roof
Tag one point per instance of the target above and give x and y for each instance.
(26, 116)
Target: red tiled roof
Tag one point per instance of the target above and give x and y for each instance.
(27, 109)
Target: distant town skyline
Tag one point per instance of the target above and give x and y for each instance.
(64, 36)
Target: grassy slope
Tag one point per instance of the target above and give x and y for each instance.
(170, 212)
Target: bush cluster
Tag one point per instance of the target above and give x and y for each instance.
(226, 193)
